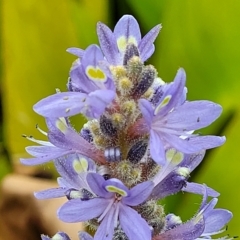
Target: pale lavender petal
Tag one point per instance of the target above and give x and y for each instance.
(193, 160)
(193, 115)
(193, 144)
(59, 235)
(106, 229)
(216, 220)
(198, 189)
(133, 224)
(146, 46)
(77, 210)
(46, 157)
(128, 27)
(92, 56)
(146, 110)
(171, 184)
(187, 231)
(39, 151)
(50, 193)
(138, 194)
(76, 51)
(61, 104)
(108, 43)
(84, 236)
(175, 91)
(96, 183)
(157, 149)
(117, 184)
(97, 102)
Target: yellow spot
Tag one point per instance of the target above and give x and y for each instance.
(61, 124)
(178, 157)
(123, 41)
(116, 190)
(170, 153)
(80, 165)
(95, 74)
(162, 104)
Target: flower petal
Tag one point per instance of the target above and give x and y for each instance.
(96, 183)
(198, 189)
(133, 224)
(138, 194)
(157, 148)
(50, 193)
(76, 210)
(146, 46)
(187, 231)
(61, 104)
(193, 115)
(108, 43)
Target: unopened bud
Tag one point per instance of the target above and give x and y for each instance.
(112, 154)
(131, 51)
(146, 80)
(137, 151)
(107, 127)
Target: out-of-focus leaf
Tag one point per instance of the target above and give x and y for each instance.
(35, 37)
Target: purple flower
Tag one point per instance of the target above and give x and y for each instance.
(207, 222)
(173, 175)
(57, 236)
(215, 219)
(126, 31)
(112, 206)
(73, 184)
(172, 120)
(91, 90)
(63, 140)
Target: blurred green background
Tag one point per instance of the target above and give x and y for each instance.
(201, 36)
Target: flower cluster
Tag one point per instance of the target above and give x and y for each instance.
(138, 146)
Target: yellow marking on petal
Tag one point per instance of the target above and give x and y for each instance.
(170, 153)
(122, 42)
(162, 104)
(80, 165)
(65, 98)
(116, 190)
(95, 74)
(177, 158)
(61, 124)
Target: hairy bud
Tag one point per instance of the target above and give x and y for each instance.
(137, 151)
(146, 79)
(107, 127)
(131, 51)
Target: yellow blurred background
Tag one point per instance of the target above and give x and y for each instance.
(201, 36)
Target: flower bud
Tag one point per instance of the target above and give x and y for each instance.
(131, 51)
(107, 127)
(137, 151)
(112, 154)
(146, 79)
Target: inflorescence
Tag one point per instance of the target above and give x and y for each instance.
(138, 146)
